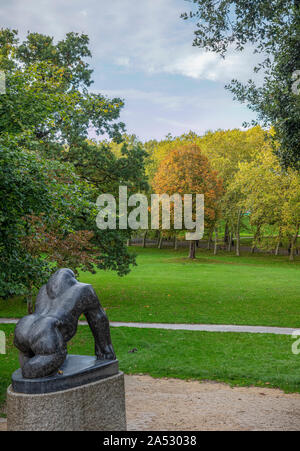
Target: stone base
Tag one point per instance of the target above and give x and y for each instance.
(76, 370)
(98, 406)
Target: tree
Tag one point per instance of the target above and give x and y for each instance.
(45, 117)
(23, 192)
(271, 28)
(226, 149)
(158, 150)
(272, 196)
(186, 170)
(41, 201)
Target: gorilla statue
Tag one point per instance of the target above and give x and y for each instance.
(42, 337)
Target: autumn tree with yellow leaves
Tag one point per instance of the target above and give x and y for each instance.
(271, 194)
(185, 170)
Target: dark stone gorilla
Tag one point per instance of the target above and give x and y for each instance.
(42, 337)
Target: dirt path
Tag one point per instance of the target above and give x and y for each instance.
(172, 404)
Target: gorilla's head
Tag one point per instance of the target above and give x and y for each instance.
(59, 282)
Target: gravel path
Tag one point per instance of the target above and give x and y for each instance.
(195, 327)
(210, 328)
(175, 405)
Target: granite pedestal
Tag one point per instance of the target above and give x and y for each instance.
(86, 395)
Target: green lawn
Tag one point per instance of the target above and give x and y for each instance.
(167, 287)
(238, 359)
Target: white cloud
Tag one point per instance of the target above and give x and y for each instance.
(168, 102)
(195, 66)
(210, 66)
(146, 36)
(143, 52)
(122, 61)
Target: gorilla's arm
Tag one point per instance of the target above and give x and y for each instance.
(99, 325)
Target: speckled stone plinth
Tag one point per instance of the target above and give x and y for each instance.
(98, 406)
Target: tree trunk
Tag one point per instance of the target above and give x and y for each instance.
(256, 235)
(209, 239)
(29, 304)
(278, 244)
(158, 238)
(292, 251)
(144, 239)
(128, 243)
(192, 249)
(293, 243)
(175, 243)
(226, 233)
(237, 250)
(230, 242)
(160, 242)
(216, 242)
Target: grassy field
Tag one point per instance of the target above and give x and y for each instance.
(225, 289)
(238, 359)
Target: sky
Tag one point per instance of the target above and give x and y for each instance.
(142, 52)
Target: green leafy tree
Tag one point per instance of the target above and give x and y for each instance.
(41, 203)
(271, 28)
(23, 192)
(54, 170)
